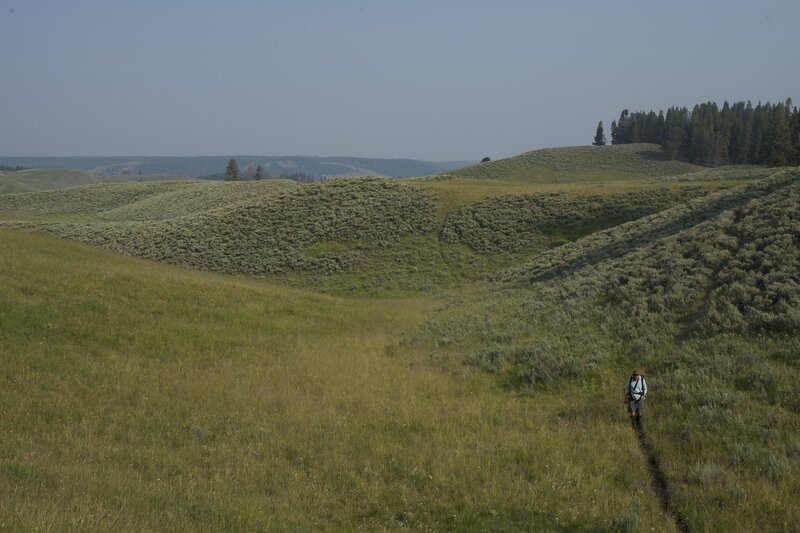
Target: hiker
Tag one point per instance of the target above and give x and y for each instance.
(635, 394)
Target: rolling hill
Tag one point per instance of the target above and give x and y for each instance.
(431, 353)
(579, 164)
(42, 179)
(706, 296)
(207, 165)
(255, 228)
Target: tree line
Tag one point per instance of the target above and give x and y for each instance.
(738, 133)
(233, 173)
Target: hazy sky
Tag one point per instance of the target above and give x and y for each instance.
(428, 79)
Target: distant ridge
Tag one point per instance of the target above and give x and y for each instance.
(274, 165)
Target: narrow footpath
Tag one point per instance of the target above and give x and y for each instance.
(659, 480)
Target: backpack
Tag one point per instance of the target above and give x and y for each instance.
(632, 384)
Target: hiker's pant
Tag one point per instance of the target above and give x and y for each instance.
(636, 406)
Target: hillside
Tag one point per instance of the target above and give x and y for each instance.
(579, 170)
(372, 234)
(47, 179)
(706, 297)
(137, 201)
(579, 164)
(206, 165)
(143, 396)
(252, 228)
(472, 330)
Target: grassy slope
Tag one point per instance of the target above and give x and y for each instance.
(576, 170)
(579, 164)
(43, 179)
(136, 202)
(140, 396)
(519, 328)
(706, 297)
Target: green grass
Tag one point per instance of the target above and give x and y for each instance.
(438, 354)
(42, 179)
(579, 164)
(143, 396)
(138, 202)
(705, 297)
(580, 170)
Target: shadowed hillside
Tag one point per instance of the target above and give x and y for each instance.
(520, 222)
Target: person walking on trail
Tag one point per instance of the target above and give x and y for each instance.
(635, 394)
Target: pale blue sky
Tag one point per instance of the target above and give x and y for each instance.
(436, 80)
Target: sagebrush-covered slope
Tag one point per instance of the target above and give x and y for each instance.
(520, 222)
(705, 298)
(138, 201)
(241, 228)
(730, 259)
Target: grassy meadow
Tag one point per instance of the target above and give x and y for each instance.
(144, 396)
(43, 179)
(580, 164)
(444, 353)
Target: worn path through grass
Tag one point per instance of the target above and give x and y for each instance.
(659, 479)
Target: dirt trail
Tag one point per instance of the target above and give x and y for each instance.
(659, 480)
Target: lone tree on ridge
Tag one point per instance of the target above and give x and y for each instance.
(232, 172)
(599, 137)
(260, 174)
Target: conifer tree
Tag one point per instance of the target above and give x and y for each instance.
(737, 151)
(710, 135)
(778, 139)
(260, 174)
(634, 129)
(722, 134)
(649, 132)
(614, 132)
(599, 136)
(232, 172)
(675, 126)
(764, 118)
(623, 125)
(796, 135)
(660, 128)
(759, 123)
